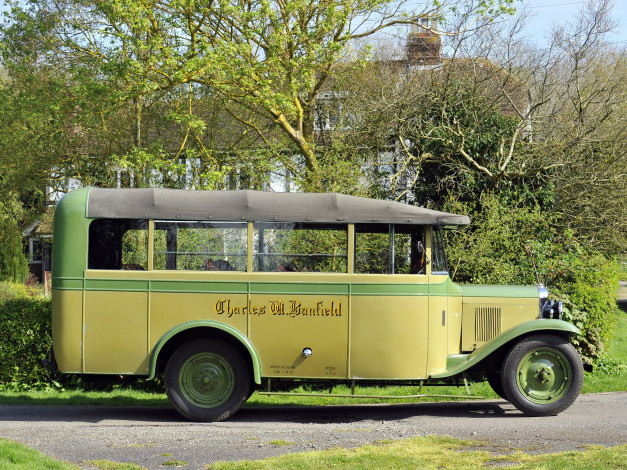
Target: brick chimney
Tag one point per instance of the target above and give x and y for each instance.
(424, 47)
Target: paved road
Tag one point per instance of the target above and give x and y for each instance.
(145, 435)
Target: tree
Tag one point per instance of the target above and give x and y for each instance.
(500, 116)
(266, 60)
(32, 139)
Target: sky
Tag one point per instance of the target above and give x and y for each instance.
(547, 12)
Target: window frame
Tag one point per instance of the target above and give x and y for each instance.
(430, 236)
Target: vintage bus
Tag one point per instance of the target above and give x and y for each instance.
(227, 292)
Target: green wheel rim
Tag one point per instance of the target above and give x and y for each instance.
(543, 376)
(207, 380)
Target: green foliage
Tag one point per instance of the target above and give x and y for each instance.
(13, 265)
(610, 366)
(13, 290)
(109, 465)
(25, 341)
(510, 244)
(589, 283)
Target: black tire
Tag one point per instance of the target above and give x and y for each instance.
(253, 388)
(542, 375)
(495, 382)
(207, 380)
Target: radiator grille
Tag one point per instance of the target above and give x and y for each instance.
(487, 323)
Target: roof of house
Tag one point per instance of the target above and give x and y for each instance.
(179, 204)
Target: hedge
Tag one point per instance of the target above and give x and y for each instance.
(25, 343)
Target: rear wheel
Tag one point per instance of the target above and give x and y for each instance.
(542, 375)
(207, 380)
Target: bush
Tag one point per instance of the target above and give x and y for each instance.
(507, 244)
(587, 288)
(25, 343)
(13, 290)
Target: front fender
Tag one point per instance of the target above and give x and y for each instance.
(235, 333)
(461, 362)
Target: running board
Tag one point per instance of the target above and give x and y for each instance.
(387, 397)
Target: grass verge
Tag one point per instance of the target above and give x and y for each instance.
(611, 374)
(120, 397)
(434, 452)
(431, 452)
(14, 456)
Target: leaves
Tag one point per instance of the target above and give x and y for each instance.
(25, 340)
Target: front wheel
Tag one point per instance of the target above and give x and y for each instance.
(494, 379)
(542, 375)
(207, 380)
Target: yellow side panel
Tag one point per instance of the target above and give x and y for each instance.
(67, 322)
(291, 323)
(438, 334)
(389, 337)
(116, 326)
(513, 311)
(168, 310)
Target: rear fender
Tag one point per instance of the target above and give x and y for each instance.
(233, 332)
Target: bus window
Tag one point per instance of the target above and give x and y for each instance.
(118, 244)
(300, 247)
(200, 246)
(389, 249)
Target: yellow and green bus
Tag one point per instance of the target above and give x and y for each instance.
(226, 292)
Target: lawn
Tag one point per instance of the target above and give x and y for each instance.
(431, 452)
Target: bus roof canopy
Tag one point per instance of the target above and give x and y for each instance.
(263, 206)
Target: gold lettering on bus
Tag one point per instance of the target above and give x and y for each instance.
(224, 307)
(291, 308)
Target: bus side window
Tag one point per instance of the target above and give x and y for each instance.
(299, 246)
(118, 244)
(389, 249)
(200, 246)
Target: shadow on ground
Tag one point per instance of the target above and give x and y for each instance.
(254, 414)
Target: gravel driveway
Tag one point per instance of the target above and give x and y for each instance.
(150, 436)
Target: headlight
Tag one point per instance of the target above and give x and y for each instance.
(550, 308)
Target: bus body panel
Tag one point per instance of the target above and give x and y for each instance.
(71, 227)
(67, 330)
(169, 309)
(116, 332)
(286, 325)
(389, 337)
(127, 312)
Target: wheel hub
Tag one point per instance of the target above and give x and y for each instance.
(543, 375)
(207, 380)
